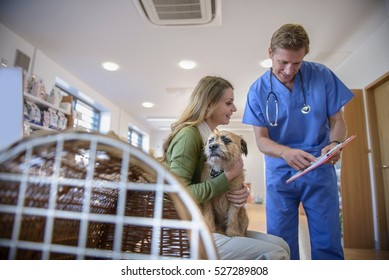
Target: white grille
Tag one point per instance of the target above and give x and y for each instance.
(177, 12)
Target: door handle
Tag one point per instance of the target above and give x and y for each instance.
(384, 166)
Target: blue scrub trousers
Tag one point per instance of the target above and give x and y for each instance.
(318, 192)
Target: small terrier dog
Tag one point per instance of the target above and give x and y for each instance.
(222, 149)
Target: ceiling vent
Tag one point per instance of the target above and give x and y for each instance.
(178, 12)
(22, 60)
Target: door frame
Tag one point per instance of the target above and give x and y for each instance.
(378, 186)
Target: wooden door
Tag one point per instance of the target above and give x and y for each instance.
(357, 209)
(377, 96)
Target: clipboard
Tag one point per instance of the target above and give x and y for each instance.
(322, 159)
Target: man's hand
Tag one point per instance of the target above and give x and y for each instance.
(298, 159)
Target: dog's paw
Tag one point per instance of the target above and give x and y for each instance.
(211, 227)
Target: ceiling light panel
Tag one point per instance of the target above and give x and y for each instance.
(148, 104)
(110, 66)
(187, 64)
(266, 63)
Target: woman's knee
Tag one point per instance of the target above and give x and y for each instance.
(270, 239)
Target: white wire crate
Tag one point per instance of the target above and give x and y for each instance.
(90, 196)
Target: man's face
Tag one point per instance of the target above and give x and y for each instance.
(286, 64)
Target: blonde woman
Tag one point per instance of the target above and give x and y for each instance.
(212, 104)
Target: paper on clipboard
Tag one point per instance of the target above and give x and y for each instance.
(322, 159)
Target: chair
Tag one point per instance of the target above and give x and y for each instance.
(79, 195)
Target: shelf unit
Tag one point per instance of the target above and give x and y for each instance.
(39, 127)
(42, 104)
(13, 97)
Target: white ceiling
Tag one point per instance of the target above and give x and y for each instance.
(81, 34)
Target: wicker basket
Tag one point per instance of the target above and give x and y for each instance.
(90, 196)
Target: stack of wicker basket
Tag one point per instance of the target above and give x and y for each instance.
(90, 196)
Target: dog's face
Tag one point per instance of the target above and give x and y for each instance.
(224, 148)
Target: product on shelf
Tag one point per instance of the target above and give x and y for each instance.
(62, 121)
(25, 81)
(25, 112)
(67, 106)
(34, 113)
(37, 87)
(55, 97)
(45, 119)
(26, 129)
(53, 118)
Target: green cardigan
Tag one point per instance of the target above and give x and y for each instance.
(185, 157)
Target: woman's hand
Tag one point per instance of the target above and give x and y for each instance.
(235, 170)
(238, 198)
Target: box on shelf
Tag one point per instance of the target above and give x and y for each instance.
(36, 87)
(69, 99)
(55, 97)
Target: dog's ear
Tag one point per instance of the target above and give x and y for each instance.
(243, 146)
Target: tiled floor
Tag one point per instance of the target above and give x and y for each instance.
(257, 218)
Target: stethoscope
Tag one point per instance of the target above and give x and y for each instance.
(305, 109)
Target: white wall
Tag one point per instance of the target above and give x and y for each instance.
(369, 62)
(254, 164)
(115, 118)
(156, 141)
(8, 44)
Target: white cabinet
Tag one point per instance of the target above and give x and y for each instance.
(11, 106)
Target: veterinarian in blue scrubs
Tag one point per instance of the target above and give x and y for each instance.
(212, 104)
(295, 109)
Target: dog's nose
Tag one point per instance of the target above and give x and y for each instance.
(213, 147)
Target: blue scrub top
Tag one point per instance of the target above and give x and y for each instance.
(325, 94)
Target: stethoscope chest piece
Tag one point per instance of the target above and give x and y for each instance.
(305, 109)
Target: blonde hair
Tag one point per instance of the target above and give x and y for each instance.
(290, 37)
(201, 106)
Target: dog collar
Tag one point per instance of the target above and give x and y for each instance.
(215, 173)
